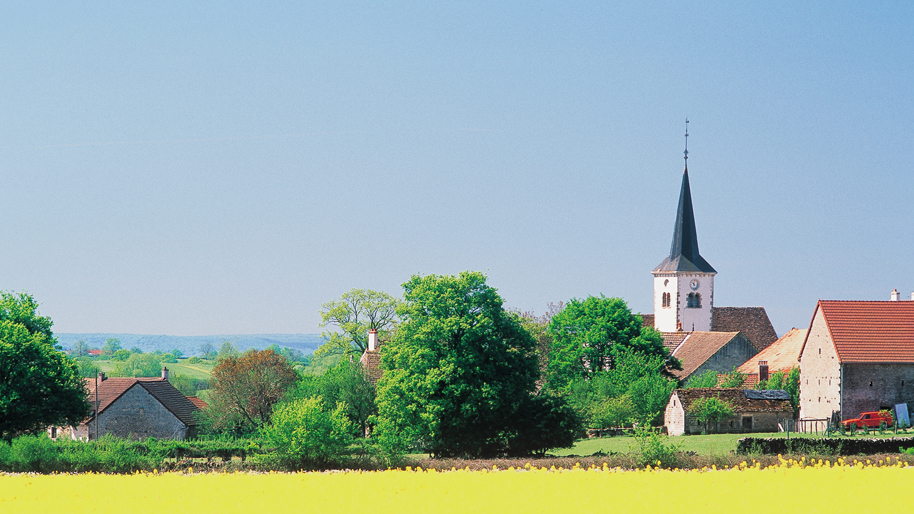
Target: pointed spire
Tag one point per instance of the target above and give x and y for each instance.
(684, 255)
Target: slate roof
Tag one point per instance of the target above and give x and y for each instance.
(110, 389)
(743, 400)
(684, 255)
(782, 355)
(698, 347)
(869, 331)
(753, 322)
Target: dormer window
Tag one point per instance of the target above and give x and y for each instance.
(693, 301)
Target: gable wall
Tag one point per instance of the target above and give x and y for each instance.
(674, 416)
(731, 355)
(820, 373)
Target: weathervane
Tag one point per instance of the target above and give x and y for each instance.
(686, 153)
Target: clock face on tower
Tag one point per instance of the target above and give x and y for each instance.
(694, 284)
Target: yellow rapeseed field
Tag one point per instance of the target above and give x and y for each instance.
(790, 487)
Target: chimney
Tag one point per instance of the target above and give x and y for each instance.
(164, 373)
(101, 376)
(679, 326)
(762, 371)
(372, 340)
(894, 296)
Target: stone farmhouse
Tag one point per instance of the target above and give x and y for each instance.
(755, 411)
(135, 408)
(858, 356)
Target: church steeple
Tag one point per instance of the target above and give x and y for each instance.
(684, 255)
(684, 281)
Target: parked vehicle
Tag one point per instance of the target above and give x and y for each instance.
(869, 420)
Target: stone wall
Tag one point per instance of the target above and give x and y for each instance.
(741, 422)
(871, 387)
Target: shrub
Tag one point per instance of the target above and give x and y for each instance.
(303, 433)
(652, 447)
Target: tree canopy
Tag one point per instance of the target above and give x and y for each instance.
(460, 376)
(39, 385)
(355, 313)
(244, 389)
(588, 335)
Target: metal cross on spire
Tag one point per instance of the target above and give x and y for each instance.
(686, 153)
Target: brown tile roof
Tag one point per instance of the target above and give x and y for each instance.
(782, 355)
(647, 320)
(698, 347)
(110, 389)
(371, 363)
(672, 340)
(753, 322)
(870, 331)
(736, 396)
(198, 402)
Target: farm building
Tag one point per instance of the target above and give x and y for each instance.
(858, 356)
(135, 408)
(755, 411)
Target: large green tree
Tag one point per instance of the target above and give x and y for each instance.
(460, 376)
(354, 314)
(39, 385)
(588, 335)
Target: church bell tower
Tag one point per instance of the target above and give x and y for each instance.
(684, 281)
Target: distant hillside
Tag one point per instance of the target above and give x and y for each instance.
(190, 345)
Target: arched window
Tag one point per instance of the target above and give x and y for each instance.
(693, 301)
(665, 299)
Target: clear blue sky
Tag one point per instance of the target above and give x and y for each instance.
(225, 167)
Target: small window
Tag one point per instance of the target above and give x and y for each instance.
(693, 301)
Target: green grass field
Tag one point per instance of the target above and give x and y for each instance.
(201, 371)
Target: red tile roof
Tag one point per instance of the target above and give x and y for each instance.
(110, 389)
(870, 332)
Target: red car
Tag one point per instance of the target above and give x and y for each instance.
(868, 420)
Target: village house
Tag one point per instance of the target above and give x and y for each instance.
(858, 356)
(134, 408)
(754, 411)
